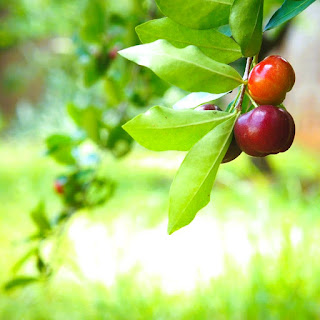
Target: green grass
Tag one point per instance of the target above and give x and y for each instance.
(280, 218)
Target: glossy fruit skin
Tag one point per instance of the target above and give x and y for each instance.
(270, 80)
(233, 151)
(265, 130)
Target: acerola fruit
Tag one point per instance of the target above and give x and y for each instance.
(233, 151)
(113, 53)
(265, 130)
(59, 184)
(207, 107)
(270, 80)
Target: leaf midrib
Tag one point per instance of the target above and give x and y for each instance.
(185, 125)
(199, 45)
(203, 181)
(200, 66)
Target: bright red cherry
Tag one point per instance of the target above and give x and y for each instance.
(270, 80)
(233, 151)
(265, 130)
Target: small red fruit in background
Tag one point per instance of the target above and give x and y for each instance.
(59, 184)
(233, 151)
(113, 53)
(265, 130)
(270, 80)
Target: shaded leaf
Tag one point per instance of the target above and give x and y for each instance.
(39, 217)
(211, 42)
(161, 129)
(187, 68)
(19, 282)
(288, 10)
(191, 188)
(246, 25)
(24, 259)
(197, 14)
(60, 147)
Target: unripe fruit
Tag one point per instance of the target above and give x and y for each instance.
(270, 80)
(233, 151)
(265, 130)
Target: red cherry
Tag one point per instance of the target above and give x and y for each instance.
(265, 130)
(270, 80)
(233, 151)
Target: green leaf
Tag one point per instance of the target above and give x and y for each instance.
(191, 188)
(211, 42)
(288, 10)
(246, 25)
(195, 99)
(60, 147)
(19, 282)
(187, 68)
(197, 14)
(17, 266)
(39, 217)
(88, 119)
(161, 129)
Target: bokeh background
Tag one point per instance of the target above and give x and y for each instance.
(252, 253)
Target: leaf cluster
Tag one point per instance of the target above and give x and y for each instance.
(192, 48)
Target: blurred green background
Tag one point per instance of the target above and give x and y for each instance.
(252, 253)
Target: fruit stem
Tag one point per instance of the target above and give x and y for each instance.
(252, 101)
(244, 86)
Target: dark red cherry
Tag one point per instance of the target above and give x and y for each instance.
(265, 130)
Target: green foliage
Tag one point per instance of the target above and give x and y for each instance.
(40, 218)
(191, 49)
(163, 129)
(288, 10)
(246, 25)
(19, 282)
(190, 190)
(197, 14)
(179, 66)
(211, 42)
(61, 147)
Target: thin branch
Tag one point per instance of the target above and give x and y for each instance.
(243, 88)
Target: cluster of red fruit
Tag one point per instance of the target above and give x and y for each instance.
(267, 129)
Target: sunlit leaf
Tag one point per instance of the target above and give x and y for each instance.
(191, 188)
(162, 128)
(197, 14)
(187, 68)
(211, 42)
(246, 25)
